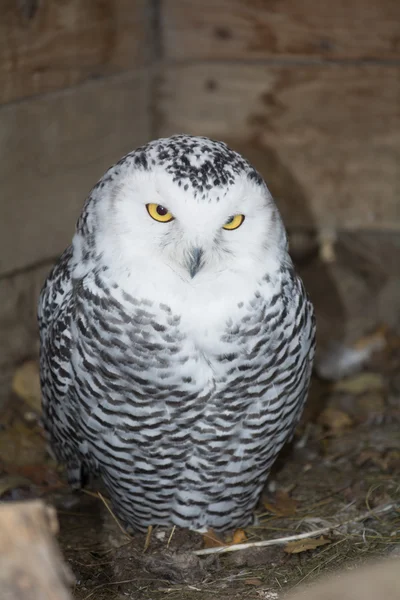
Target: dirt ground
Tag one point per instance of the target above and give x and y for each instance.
(340, 475)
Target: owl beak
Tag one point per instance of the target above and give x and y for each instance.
(195, 261)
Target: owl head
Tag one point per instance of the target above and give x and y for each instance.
(184, 204)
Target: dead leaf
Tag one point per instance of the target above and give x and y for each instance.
(211, 539)
(375, 340)
(307, 544)
(253, 581)
(367, 455)
(334, 419)
(239, 537)
(359, 384)
(385, 461)
(26, 384)
(283, 506)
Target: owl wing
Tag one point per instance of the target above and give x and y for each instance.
(54, 316)
(55, 296)
(300, 327)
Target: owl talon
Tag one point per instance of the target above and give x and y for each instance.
(212, 540)
(239, 537)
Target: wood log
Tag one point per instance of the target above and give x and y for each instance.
(31, 565)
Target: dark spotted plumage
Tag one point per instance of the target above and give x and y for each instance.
(178, 387)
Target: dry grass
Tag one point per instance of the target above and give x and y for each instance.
(356, 509)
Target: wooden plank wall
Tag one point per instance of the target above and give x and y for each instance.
(51, 45)
(309, 91)
(74, 97)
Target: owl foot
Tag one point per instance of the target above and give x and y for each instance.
(213, 540)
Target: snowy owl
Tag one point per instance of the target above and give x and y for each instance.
(176, 338)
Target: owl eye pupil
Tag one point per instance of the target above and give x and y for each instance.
(161, 210)
(229, 220)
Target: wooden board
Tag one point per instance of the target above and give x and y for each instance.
(243, 29)
(54, 44)
(325, 137)
(52, 151)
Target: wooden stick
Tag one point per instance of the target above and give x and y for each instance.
(301, 536)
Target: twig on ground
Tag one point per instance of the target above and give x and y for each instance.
(171, 535)
(112, 514)
(301, 536)
(148, 538)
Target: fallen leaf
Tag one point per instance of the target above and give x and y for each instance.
(26, 384)
(239, 537)
(334, 419)
(375, 340)
(359, 384)
(283, 506)
(253, 581)
(307, 544)
(385, 461)
(211, 539)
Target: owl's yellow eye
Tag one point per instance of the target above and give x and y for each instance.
(159, 213)
(234, 222)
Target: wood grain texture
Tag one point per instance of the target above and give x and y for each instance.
(52, 151)
(243, 29)
(326, 138)
(31, 565)
(54, 44)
